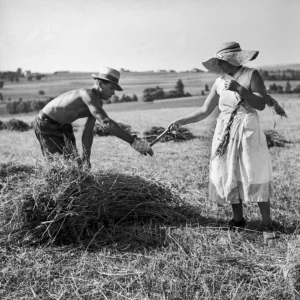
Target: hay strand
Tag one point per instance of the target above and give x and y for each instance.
(274, 139)
(272, 103)
(182, 134)
(15, 125)
(101, 131)
(222, 148)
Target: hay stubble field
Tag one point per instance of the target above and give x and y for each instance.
(188, 254)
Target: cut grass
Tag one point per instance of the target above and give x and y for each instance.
(194, 258)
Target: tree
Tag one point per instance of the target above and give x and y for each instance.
(179, 88)
(123, 98)
(114, 99)
(19, 72)
(151, 94)
(273, 88)
(288, 87)
(11, 77)
(39, 76)
(279, 89)
(297, 89)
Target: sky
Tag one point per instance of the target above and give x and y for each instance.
(142, 35)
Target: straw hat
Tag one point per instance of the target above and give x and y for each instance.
(111, 75)
(232, 53)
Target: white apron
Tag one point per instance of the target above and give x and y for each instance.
(245, 171)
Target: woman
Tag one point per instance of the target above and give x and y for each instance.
(240, 168)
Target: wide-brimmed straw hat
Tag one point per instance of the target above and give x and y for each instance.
(111, 75)
(232, 53)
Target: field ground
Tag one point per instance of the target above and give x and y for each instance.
(198, 259)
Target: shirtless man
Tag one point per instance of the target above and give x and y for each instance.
(53, 126)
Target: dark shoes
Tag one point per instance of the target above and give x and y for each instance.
(240, 224)
(267, 228)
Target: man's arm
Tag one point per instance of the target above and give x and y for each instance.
(87, 139)
(99, 114)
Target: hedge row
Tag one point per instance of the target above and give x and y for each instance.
(21, 106)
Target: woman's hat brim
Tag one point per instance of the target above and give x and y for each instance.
(118, 88)
(234, 58)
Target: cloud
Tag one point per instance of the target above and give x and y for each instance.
(32, 36)
(43, 34)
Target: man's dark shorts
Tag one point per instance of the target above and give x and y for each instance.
(53, 136)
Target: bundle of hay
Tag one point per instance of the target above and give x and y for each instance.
(270, 101)
(12, 169)
(15, 124)
(11, 174)
(100, 131)
(183, 134)
(274, 139)
(65, 204)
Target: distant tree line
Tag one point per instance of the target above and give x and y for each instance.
(158, 93)
(287, 74)
(279, 89)
(16, 107)
(15, 76)
(123, 98)
(21, 106)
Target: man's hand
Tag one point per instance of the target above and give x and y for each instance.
(142, 146)
(231, 85)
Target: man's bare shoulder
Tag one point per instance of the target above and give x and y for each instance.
(89, 96)
(86, 94)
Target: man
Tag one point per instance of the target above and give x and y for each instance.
(53, 124)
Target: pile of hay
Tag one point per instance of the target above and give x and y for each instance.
(67, 205)
(15, 124)
(11, 173)
(183, 134)
(100, 131)
(274, 139)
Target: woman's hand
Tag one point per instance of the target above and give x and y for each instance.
(174, 125)
(231, 85)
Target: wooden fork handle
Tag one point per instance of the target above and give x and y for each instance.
(159, 137)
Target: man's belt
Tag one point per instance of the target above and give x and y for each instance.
(45, 117)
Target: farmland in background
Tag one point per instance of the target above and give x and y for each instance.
(132, 83)
(198, 259)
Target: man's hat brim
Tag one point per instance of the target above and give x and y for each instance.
(118, 88)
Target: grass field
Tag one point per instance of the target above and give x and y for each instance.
(132, 83)
(198, 258)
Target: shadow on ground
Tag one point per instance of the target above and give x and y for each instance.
(67, 206)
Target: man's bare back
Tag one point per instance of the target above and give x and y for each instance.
(53, 125)
(70, 106)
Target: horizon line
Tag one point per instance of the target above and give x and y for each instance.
(154, 71)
